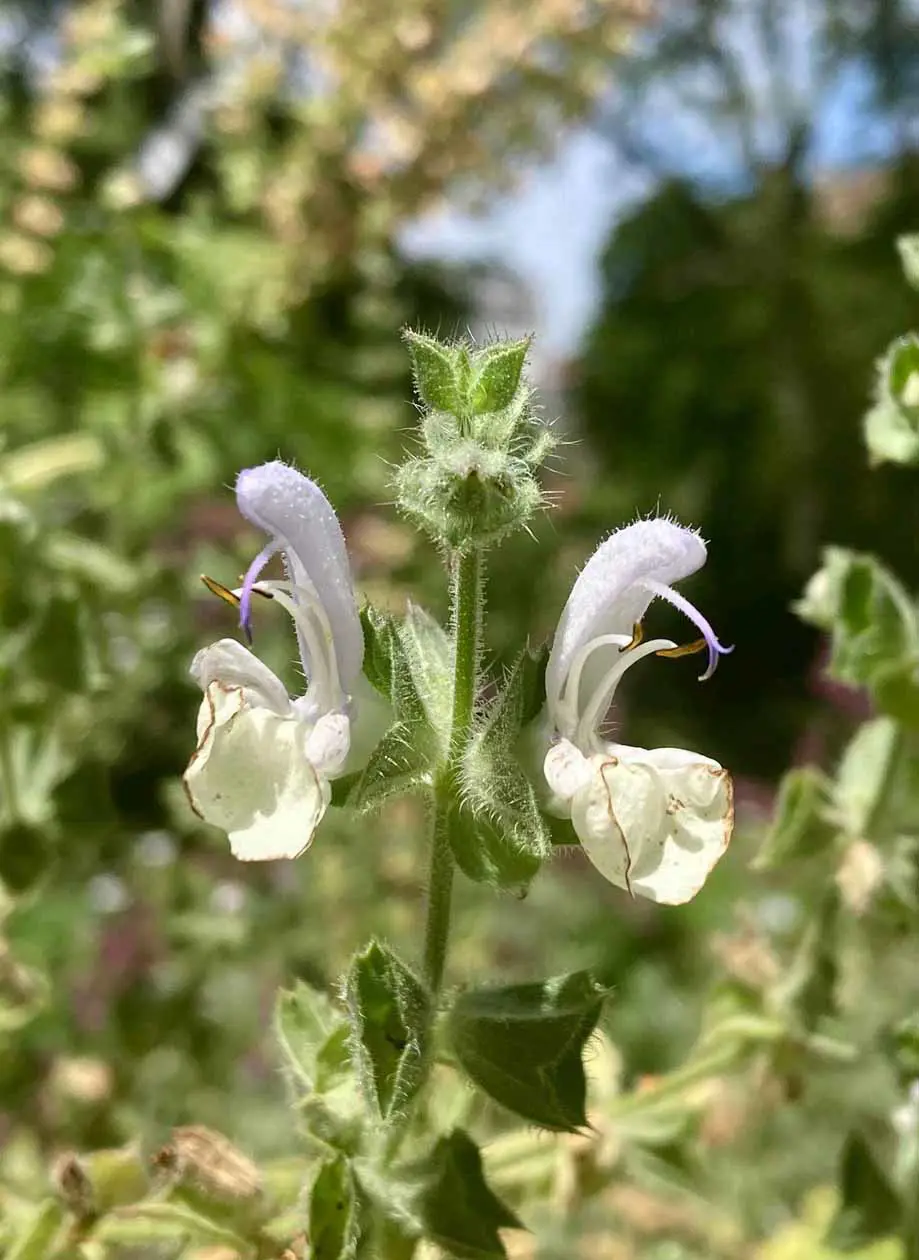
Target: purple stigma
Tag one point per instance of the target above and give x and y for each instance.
(715, 649)
(249, 581)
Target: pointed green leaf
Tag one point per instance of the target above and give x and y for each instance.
(334, 1212)
(497, 370)
(388, 667)
(429, 655)
(499, 836)
(435, 367)
(520, 699)
(523, 1044)
(378, 648)
(870, 1209)
(799, 827)
(461, 1213)
(487, 852)
(390, 1012)
(308, 1027)
(396, 766)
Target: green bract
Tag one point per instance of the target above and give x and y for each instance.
(476, 482)
(523, 1045)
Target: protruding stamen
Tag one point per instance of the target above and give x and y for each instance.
(221, 591)
(715, 649)
(685, 649)
(638, 633)
(251, 577)
(228, 596)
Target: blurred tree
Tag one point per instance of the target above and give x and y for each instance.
(744, 303)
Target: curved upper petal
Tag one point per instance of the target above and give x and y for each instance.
(292, 509)
(251, 777)
(608, 598)
(655, 823)
(235, 666)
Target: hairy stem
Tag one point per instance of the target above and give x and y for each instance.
(467, 623)
(440, 889)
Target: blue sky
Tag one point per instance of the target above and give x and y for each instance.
(553, 228)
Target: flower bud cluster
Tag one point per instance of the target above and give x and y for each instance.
(476, 481)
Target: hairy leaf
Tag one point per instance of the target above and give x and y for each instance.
(523, 1045)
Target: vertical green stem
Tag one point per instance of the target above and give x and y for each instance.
(7, 775)
(440, 889)
(467, 623)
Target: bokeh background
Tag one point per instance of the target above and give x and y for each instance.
(215, 217)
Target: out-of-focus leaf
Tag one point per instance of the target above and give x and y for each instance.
(864, 772)
(39, 465)
(799, 827)
(870, 1210)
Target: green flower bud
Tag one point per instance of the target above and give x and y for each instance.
(472, 499)
(483, 443)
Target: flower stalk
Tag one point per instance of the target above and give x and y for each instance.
(467, 589)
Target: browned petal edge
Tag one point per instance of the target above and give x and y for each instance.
(729, 821)
(205, 736)
(614, 761)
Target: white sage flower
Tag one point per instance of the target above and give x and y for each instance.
(652, 821)
(262, 767)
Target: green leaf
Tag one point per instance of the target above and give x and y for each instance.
(37, 1237)
(901, 1042)
(435, 367)
(810, 985)
(486, 852)
(461, 1213)
(390, 1013)
(396, 766)
(870, 1209)
(908, 247)
(871, 620)
(896, 691)
(890, 436)
(496, 372)
(892, 424)
(162, 1221)
(378, 648)
(308, 1029)
(388, 668)
(523, 1044)
(429, 656)
(499, 835)
(334, 1212)
(521, 699)
(799, 827)
(864, 772)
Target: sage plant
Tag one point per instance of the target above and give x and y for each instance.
(267, 766)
